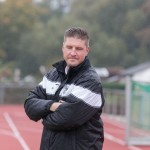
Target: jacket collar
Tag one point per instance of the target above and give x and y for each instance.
(60, 66)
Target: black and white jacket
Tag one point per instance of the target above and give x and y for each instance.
(76, 124)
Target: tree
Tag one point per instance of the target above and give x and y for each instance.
(16, 18)
(31, 34)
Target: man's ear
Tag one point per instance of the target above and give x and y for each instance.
(62, 46)
(88, 49)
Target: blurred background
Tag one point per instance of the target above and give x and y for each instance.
(31, 33)
(31, 36)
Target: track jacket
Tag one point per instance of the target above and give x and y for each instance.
(76, 124)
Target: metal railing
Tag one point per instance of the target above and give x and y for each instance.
(114, 102)
(16, 94)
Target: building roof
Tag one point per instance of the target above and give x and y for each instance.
(102, 72)
(135, 69)
(130, 71)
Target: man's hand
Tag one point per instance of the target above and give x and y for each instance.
(55, 105)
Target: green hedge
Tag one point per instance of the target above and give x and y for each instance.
(119, 86)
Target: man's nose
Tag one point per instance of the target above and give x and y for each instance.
(73, 51)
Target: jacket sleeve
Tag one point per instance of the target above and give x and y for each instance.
(82, 102)
(36, 105)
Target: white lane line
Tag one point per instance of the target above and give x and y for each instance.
(119, 125)
(118, 141)
(114, 122)
(15, 131)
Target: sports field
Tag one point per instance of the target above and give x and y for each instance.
(17, 132)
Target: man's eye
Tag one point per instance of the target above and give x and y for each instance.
(69, 47)
(79, 48)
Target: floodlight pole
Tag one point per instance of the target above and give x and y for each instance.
(128, 105)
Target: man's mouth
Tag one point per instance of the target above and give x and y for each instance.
(72, 58)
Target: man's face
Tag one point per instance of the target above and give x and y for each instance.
(74, 51)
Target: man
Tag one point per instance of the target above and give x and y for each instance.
(69, 99)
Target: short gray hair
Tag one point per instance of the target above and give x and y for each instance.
(77, 32)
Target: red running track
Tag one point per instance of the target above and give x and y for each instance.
(17, 132)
